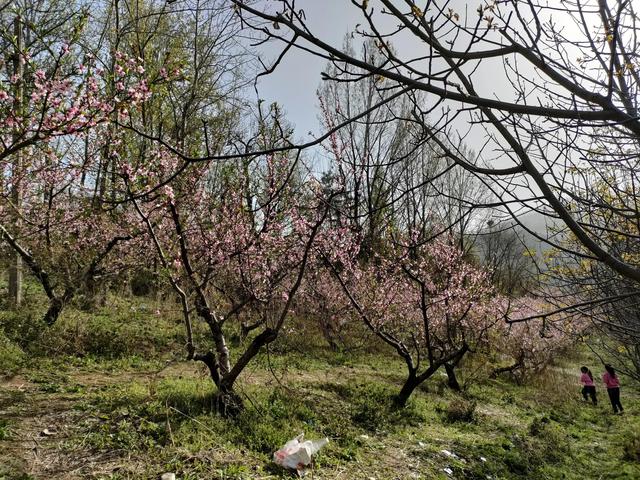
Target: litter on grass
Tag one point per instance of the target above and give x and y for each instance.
(297, 453)
(449, 454)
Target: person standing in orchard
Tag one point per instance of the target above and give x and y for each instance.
(612, 383)
(588, 387)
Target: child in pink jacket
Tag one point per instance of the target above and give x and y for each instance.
(612, 383)
(588, 388)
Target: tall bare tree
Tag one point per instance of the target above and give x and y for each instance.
(552, 90)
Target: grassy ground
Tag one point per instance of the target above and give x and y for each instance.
(128, 408)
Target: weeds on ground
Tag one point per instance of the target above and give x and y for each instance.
(11, 356)
(496, 429)
(458, 410)
(4, 429)
(631, 446)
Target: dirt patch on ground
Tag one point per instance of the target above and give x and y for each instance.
(44, 426)
(40, 424)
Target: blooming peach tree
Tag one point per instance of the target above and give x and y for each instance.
(426, 302)
(531, 339)
(52, 123)
(236, 260)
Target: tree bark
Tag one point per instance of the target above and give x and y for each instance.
(246, 329)
(93, 294)
(228, 403)
(56, 305)
(509, 368)
(410, 384)
(15, 267)
(450, 368)
(452, 381)
(209, 360)
(53, 312)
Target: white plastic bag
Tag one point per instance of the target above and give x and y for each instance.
(297, 453)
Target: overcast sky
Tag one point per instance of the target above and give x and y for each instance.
(295, 82)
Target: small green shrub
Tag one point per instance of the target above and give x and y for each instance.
(372, 407)
(143, 283)
(459, 410)
(631, 447)
(188, 396)
(128, 433)
(269, 422)
(260, 433)
(112, 333)
(508, 398)
(546, 444)
(23, 327)
(538, 426)
(11, 356)
(4, 429)
(120, 329)
(126, 396)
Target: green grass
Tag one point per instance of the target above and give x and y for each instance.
(512, 431)
(4, 429)
(135, 410)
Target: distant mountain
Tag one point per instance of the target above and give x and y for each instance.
(540, 225)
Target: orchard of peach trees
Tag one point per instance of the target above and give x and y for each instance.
(463, 210)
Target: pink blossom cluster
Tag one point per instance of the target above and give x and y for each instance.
(67, 101)
(249, 250)
(427, 297)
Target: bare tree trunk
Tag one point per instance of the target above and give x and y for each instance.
(519, 363)
(452, 380)
(450, 368)
(56, 305)
(15, 267)
(411, 383)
